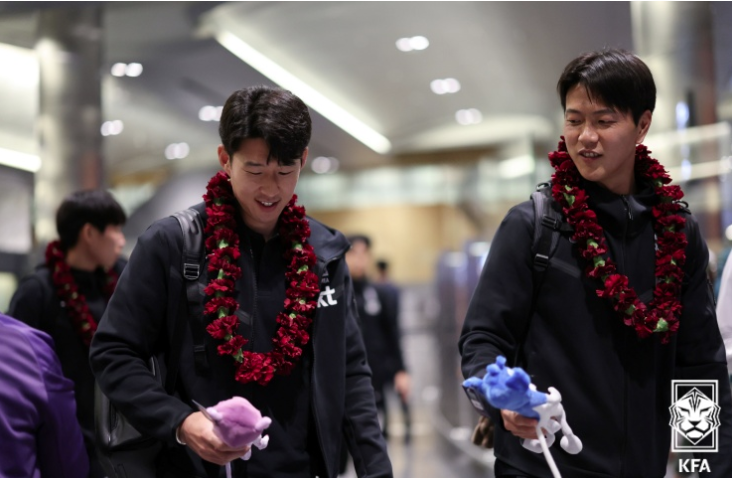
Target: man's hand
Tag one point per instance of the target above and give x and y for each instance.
(519, 425)
(402, 385)
(197, 432)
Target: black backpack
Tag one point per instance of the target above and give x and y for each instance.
(123, 451)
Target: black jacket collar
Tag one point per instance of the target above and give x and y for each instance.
(621, 213)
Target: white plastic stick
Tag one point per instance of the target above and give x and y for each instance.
(547, 453)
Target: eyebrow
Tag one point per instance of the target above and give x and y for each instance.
(597, 113)
(253, 164)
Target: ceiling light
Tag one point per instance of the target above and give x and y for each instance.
(177, 151)
(118, 69)
(210, 113)
(112, 128)
(469, 116)
(448, 85)
(414, 43)
(18, 160)
(133, 70)
(323, 105)
(419, 43)
(324, 165)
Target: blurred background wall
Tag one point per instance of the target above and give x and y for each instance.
(430, 121)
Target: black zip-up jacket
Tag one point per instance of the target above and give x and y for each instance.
(333, 368)
(616, 388)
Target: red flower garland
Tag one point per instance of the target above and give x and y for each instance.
(662, 313)
(222, 247)
(71, 299)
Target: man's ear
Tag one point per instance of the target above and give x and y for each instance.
(224, 159)
(86, 233)
(304, 158)
(644, 123)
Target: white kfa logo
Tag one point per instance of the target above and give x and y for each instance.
(690, 465)
(326, 297)
(694, 416)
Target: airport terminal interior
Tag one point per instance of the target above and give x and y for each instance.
(430, 121)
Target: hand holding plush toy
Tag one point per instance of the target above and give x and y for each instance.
(238, 424)
(511, 389)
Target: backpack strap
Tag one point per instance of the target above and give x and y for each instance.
(192, 226)
(548, 226)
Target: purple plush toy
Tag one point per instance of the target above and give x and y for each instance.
(238, 423)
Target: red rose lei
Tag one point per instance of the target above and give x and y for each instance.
(68, 291)
(661, 315)
(222, 248)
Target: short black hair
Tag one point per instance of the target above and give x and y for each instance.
(382, 265)
(616, 77)
(96, 207)
(366, 240)
(277, 116)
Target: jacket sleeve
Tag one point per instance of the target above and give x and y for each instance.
(134, 328)
(27, 304)
(61, 451)
(499, 311)
(724, 312)
(360, 424)
(700, 349)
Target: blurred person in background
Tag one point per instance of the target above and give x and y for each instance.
(276, 323)
(39, 433)
(610, 326)
(378, 312)
(67, 294)
(392, 303)
(724, 311)
(721, 262)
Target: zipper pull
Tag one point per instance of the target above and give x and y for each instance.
(627, 206)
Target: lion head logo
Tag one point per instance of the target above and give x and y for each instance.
(694, 416)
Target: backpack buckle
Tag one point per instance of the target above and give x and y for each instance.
(191, 271)
(550, 222)
(541, 262)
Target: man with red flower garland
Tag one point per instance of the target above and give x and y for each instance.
(612, 323)
(278, 323)
(67, 295)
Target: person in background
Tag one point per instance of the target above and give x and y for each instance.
(378, 313)
(721, 262)
(612, 323)
(39, 433)
(392, 302)
(67, 294)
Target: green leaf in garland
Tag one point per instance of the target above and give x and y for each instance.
(661, 326)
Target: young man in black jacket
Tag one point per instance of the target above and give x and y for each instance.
(278, 325)
(84, 260)
(625, 306)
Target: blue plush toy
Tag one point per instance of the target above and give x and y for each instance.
(511, 389)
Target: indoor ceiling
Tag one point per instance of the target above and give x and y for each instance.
(506, 56)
